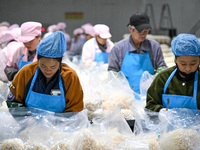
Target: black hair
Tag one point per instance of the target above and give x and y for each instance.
(58, 59)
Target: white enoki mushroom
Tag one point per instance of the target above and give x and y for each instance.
(117, 137)
(127, 113)
(92, 104)
(95, 114)
(63, 145)
(121, 98)
(90, 142)
(180, 139)
(12, 144)
(30, 145)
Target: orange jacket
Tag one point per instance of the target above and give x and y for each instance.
(73, 97)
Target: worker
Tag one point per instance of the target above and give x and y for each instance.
(47, 84)
(136, 54)
(5, 23)
(88, 30)
(76, 49)
(62, 26)
(11, 44)
(76, 45)
(77, 34)
(51, 29)
(97, 49)
(177, 86)
(13, 26)
(30, 37)
(8, 36)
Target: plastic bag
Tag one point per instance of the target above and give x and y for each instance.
(180, 139)
(44, 127)
(13, 143)
(116, 91)
(114, 125)
(93, 138)
(4, 90)
(148, 128)
(180, 129)
(8, 126)
(180, 118)
(133, 145)
(70, 142)
(145, 82)
(147, 123)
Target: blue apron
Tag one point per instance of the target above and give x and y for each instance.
(133, 67)
(180, 101)
(22, 63)
(54, 103)
(100, 56)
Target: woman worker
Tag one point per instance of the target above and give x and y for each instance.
(47, 84)
(97, 49)
(177, 87)
(25, 51)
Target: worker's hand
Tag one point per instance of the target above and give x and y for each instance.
(164, 114)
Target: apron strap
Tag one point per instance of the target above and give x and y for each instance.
(21, 57)
(169, 79)
(33, 82)
(195, 84)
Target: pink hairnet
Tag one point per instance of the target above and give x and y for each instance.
(102, 30)
(29, 30)
(13, 26)
(87, 24)
(78, 31)
(17, 33)
(6, 36)
(89, 30)
(5, 23)
(61, 26)
(52, 28)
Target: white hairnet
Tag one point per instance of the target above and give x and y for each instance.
(185, 44)
(53, 46)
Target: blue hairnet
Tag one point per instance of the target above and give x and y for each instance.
(185, 44)
(53, 46)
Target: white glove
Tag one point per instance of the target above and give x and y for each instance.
(164, 114)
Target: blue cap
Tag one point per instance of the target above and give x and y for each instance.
(53, 46)
(185, 44)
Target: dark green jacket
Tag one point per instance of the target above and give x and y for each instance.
(175, 87)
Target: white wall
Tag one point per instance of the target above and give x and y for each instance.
(114, 13)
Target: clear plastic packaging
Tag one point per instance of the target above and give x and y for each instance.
(145, 82)
(4, 90)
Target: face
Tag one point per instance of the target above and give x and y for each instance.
(137, 36)
(101, 40)
(88, 36)
(48, 66)
(31, 45)
(187, 63)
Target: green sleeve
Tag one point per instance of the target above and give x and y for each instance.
(159, 70)
(154, 94)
